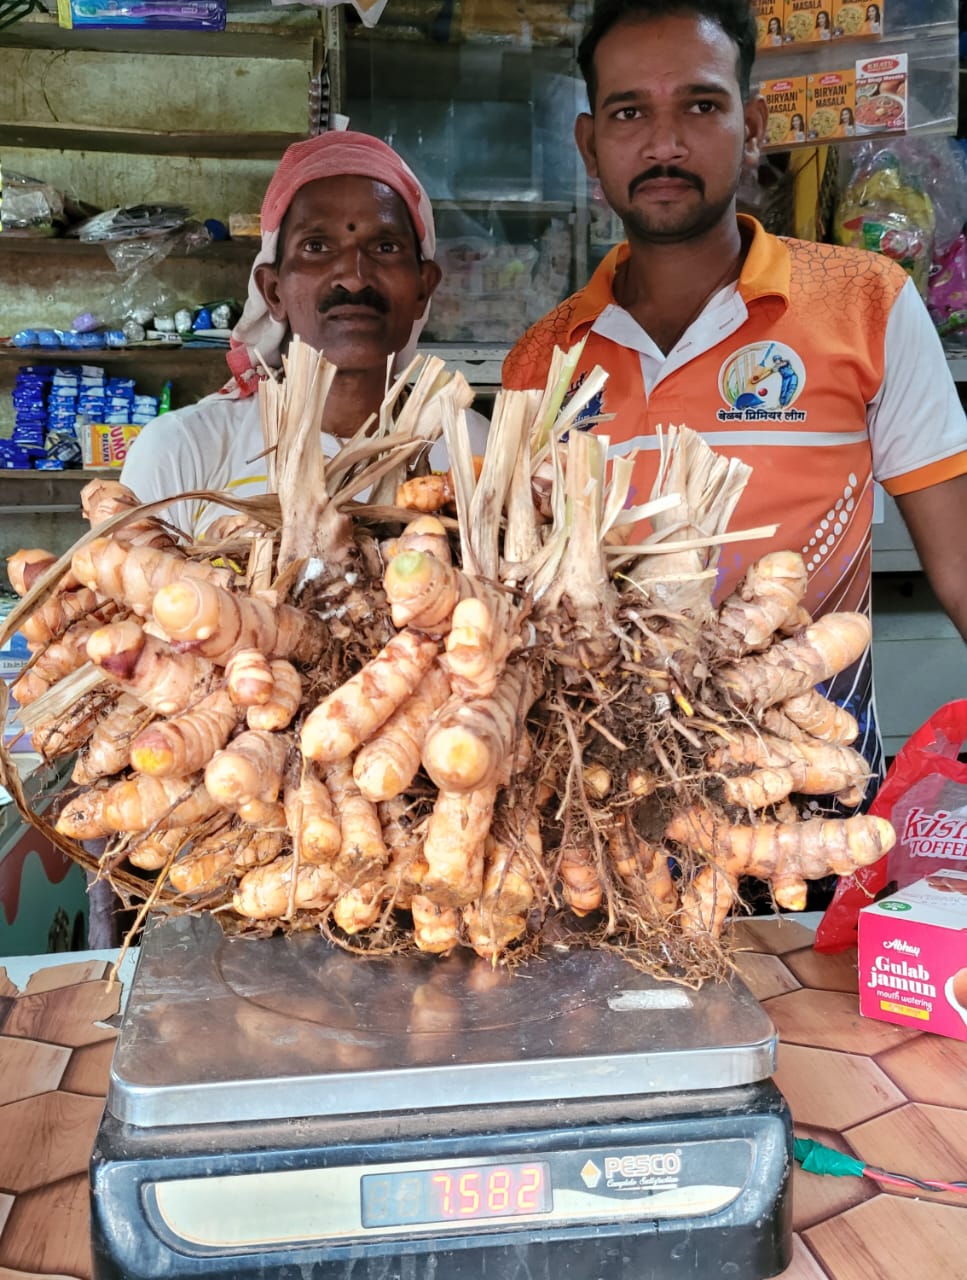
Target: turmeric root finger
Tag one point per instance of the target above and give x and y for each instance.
(255, 847)
(186, 743)
(386, 765)
(167, 682)
(435, 929)
(580, 881)
(797, 665)
(426, 493)
(789, 892)
(109, 749)
(482, 637)
(456, 836)
(707, 901)
(499, 916)
(362, 850)
(403, 836)
(468, 741)
(760, 788)
(767, 600)
(28, 566)
(151, 853)
(422, 591)
(135, 804)
(248, 676)
(248, 770)
(644, 868)
(203, 871)
(218, 624)
(102, 499)
(280, 707)
(57, 613)
(360, 908)
(312, 821)
(272, 893)
(131, 575)
(821, 718)
(810, 849)
(347, 717)
(425, 533)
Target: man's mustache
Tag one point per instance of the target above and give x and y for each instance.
(366, 297)
(666, 171)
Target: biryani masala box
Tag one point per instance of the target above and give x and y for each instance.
(913, 956)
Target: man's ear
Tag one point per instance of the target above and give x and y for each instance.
(584, 137)
(432, 275)
(267, 280)
(756, 117)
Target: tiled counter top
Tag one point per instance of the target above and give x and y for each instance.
(893, 1097)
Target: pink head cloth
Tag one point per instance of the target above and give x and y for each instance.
(330, 155)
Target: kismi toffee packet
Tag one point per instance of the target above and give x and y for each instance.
(786, 103)
(831, 105)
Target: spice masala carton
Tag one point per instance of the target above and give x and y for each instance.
(807, 21)
(913, 956)
(858, 21)
(881, 94)
(831, 105)
(769, 16)
(786, 103)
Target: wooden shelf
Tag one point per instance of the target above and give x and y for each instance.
(116, 355)
(240, 251)
(79, 137)
(258, 39)
(75, 473)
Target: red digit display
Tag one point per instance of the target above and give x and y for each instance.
(455, 1194)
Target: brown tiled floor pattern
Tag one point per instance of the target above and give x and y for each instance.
(893, 1097)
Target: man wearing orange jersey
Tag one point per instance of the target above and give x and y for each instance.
(816, 365)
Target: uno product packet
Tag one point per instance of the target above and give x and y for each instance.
(913, 955)
(831, 105)
(106, 444)
(786, 103)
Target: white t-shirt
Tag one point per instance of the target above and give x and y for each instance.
(217, 444)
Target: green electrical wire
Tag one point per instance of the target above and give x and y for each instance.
(815, 1158)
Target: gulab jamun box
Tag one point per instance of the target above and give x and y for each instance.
(913, 956)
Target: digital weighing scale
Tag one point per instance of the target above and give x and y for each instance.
(279, 1108)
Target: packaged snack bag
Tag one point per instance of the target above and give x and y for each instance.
(924, 796)
(885, 209)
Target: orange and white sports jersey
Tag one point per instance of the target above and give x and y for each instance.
(819, 368)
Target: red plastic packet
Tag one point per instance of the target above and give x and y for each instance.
(924, 796)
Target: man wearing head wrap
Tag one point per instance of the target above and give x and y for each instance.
(346, 262)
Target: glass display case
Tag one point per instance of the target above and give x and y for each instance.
(480, 96)
(479, 99)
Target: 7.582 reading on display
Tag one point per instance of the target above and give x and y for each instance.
(455, 1195)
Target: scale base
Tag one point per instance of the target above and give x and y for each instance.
(226, 1174)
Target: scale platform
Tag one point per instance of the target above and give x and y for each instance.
(282, 1108)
